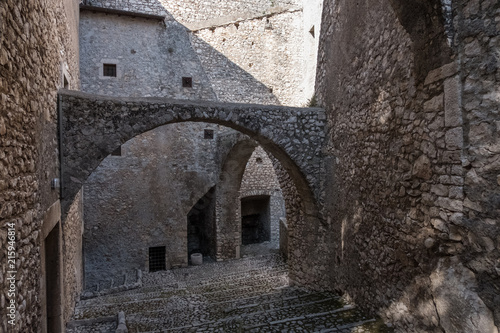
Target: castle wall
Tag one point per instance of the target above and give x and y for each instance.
(38, 44)
(258, 60)
(237, 51)
(479, 83)
(151, 58)
(194, 14)
(405, 127)
(142, 198)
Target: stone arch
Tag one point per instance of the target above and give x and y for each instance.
(301, 213)
(228, 205)
(94, 126)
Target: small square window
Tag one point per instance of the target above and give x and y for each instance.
(187, 82)
(157, 258)
(208, 134)
(109, 70)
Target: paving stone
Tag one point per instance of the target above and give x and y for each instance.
(247, 295)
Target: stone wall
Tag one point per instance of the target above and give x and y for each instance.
(391, 83)
(73, 256)
(215, 12)
(258, 60)
(478, 42)
(37, 45)
(142, 198)
(151, 58)
(235, 51)
(260, 179)
(302, 235)
(153, 7)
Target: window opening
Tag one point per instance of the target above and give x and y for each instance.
(109, 70)
(157, 258)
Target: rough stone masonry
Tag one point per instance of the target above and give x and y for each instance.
(410, 199)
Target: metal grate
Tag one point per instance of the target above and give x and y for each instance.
(109, 70)
(157, 258)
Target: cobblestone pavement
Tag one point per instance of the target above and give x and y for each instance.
(247, 295)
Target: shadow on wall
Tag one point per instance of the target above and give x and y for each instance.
(230, 82)
(426, 23)
(403, 245)
(153, 58)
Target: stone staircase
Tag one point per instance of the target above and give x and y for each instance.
(247, 295)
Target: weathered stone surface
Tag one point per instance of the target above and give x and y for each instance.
(454, 138)
(220, 45)
(169, 173)
(460, 308)
(452, 102)
(37, 39)
(382, 186)
(422, 168)
(260, 179)
(267, 125)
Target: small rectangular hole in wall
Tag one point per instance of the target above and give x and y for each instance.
(187, 82)
(117, 152)
(312, 31)
(109, 70)
(208, 134)
(65, 82)
(157, 258)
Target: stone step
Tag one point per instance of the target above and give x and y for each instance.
(175, 283)
(250, 295)
(207, 318)
(347, 317)
(269, 305)
(206, 274)
(195, 295)
(99, 324)
(275, 279)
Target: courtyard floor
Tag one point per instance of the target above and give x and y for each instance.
(251, 294)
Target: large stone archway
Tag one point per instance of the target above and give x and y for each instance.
(94, 126)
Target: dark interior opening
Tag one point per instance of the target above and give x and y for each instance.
(255, 220)
(157, 258)
(53, 281)
(187, 82)
(109, 70)
(201, 226)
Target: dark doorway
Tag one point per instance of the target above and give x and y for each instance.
(201, 226)
(255, 220)
(53, 280)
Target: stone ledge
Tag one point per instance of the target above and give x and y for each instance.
(441, 73)
(121, 12)
(237, 18)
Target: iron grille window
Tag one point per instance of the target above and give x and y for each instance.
(157, 258)
(209, 134)
(187, 82)
(109, 70)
